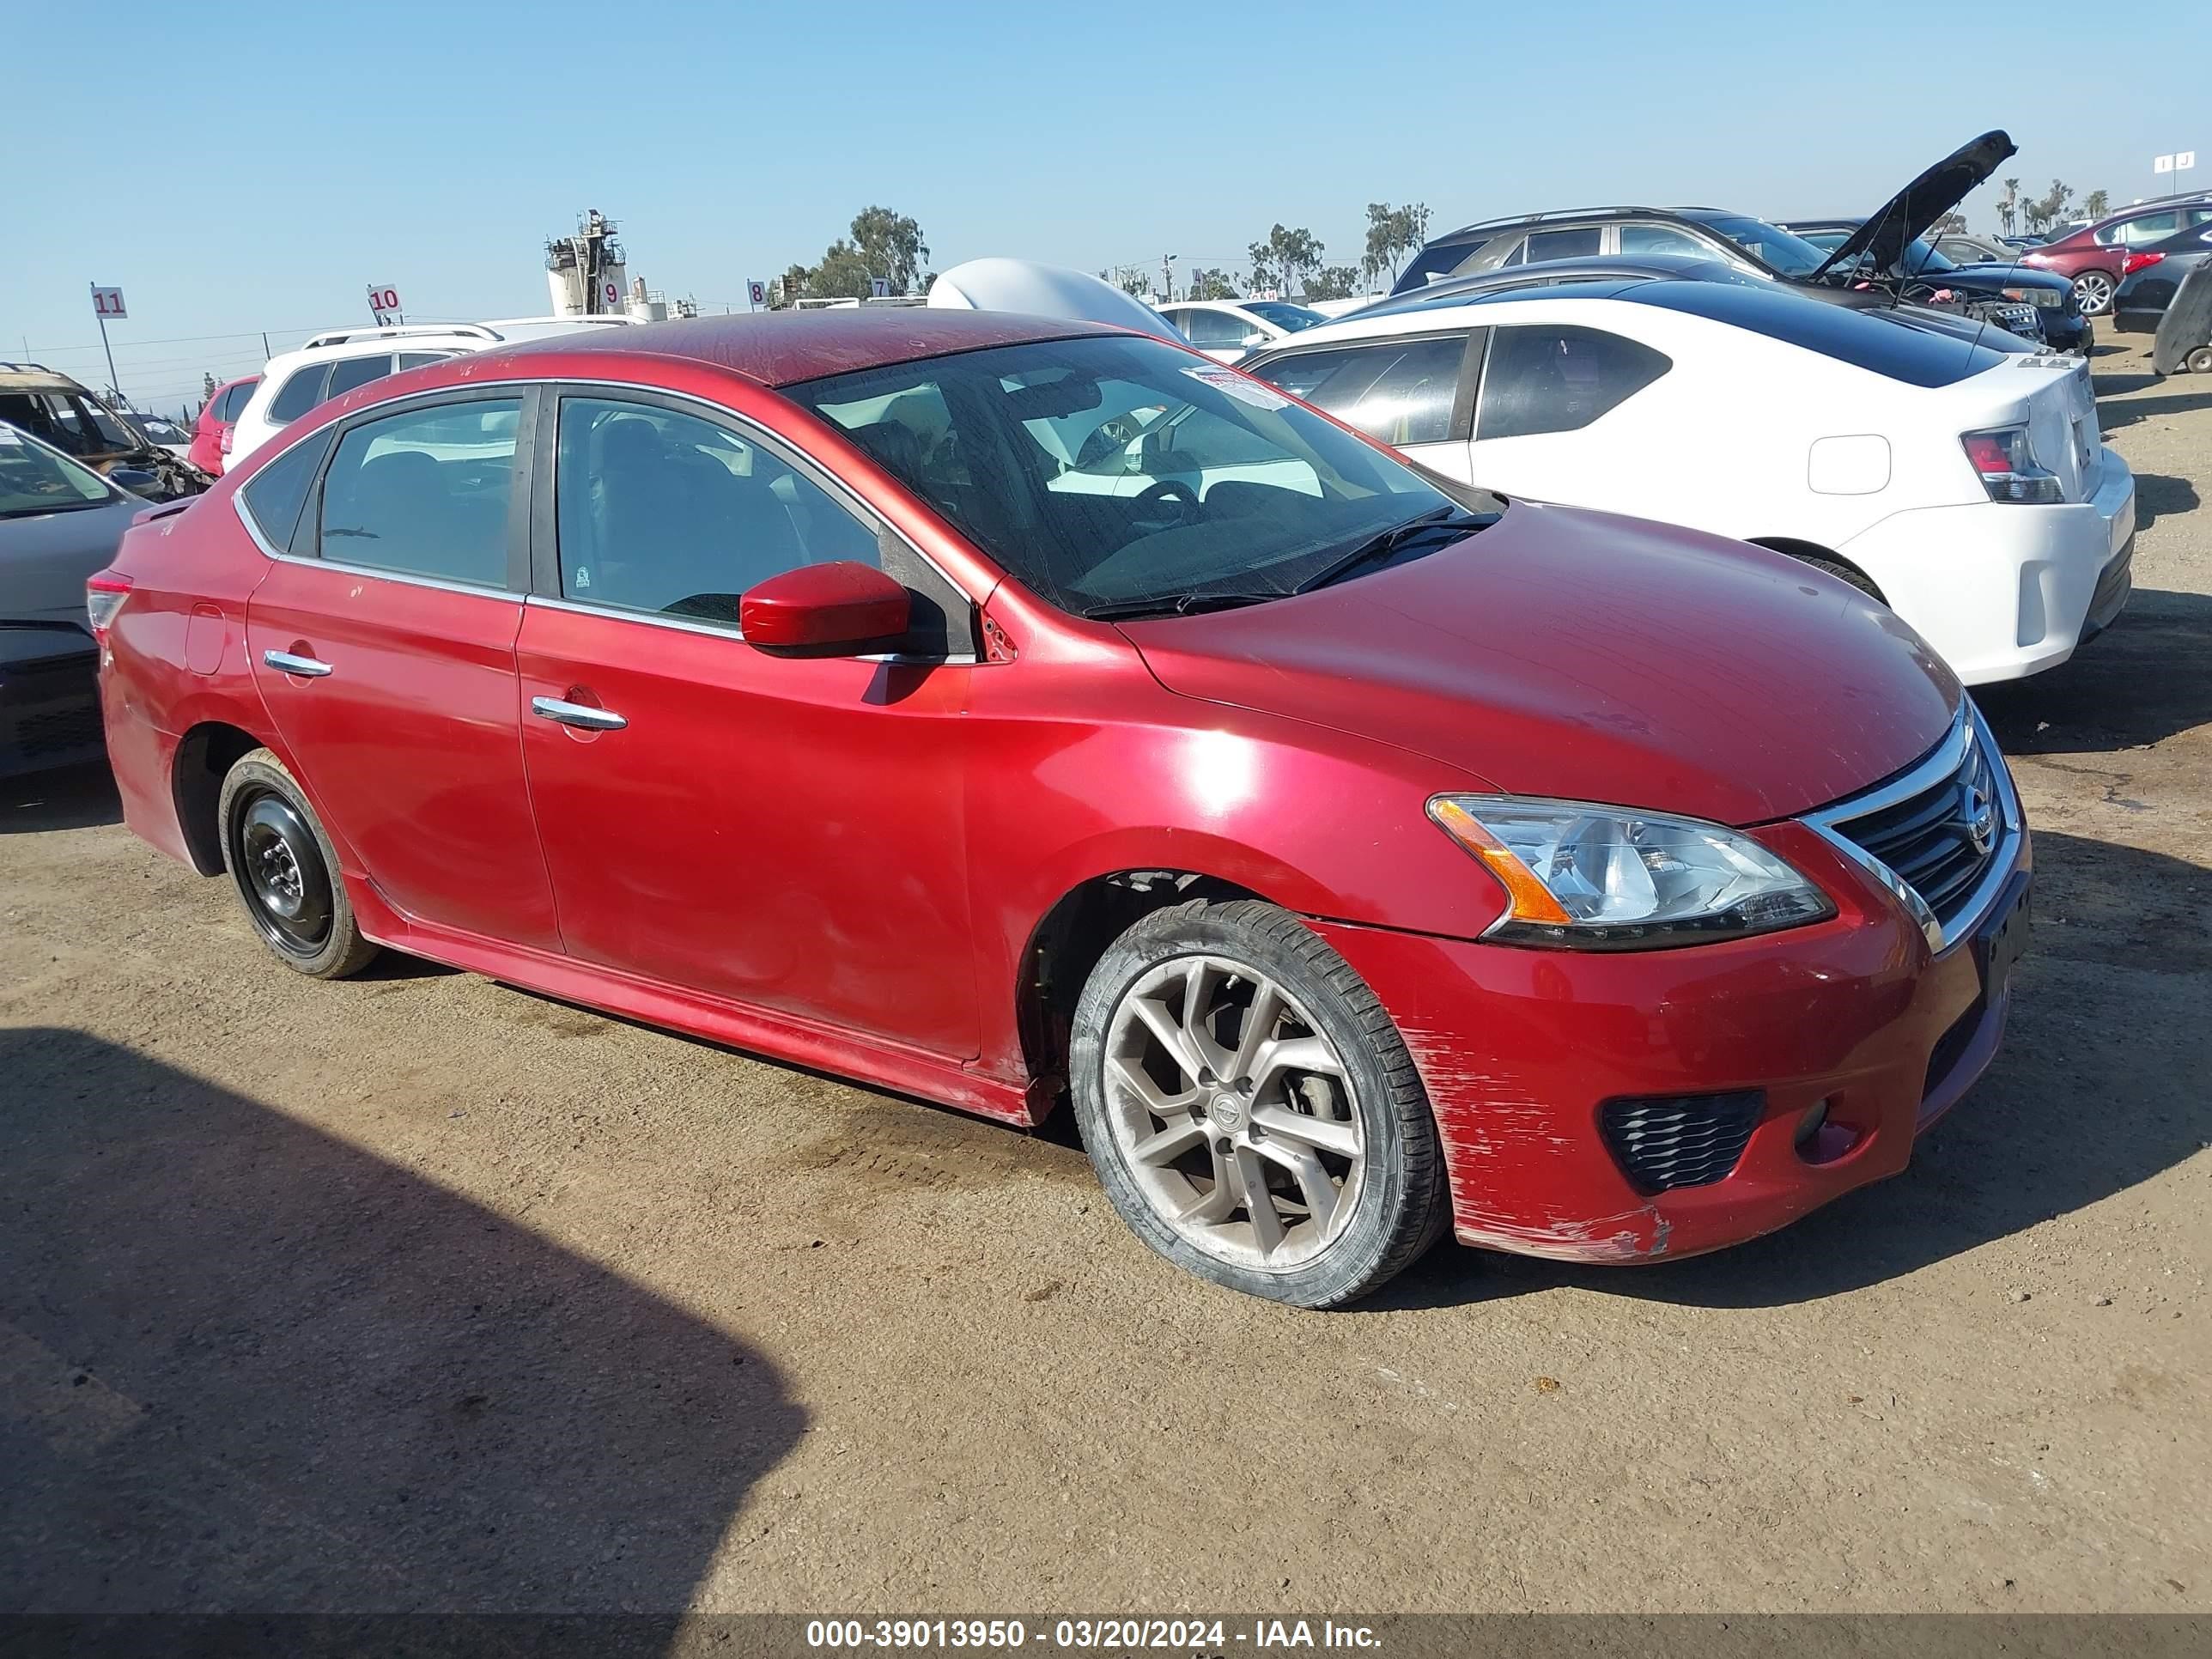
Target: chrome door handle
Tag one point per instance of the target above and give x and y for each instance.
(581, 714)
(306, 667)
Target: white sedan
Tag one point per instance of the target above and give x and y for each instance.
(1964, 484)
(1230, 329)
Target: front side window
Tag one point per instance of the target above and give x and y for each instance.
(663, 512)
(1402, 391)
(1114, 474)
(1773, 246)
(299, 394)
(1661, 239)
(1216, 331)
(424, 493)
(1549, 378)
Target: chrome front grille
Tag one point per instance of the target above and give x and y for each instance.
(1942, 834)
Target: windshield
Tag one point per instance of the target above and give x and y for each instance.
(1793, 256)
(1114, 472)
(1289, 318)
(160, 430)
(35, 479)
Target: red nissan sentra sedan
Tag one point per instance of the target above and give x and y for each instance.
(1002, 710)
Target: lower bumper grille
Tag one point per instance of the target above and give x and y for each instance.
(1665, 1141)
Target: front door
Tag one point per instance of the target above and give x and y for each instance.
(784, 832)
(386, 656)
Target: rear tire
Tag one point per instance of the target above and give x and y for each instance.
(2200, 361)
(2092, 292)
(285, 870)
(1836, 568)
(1297, 1160)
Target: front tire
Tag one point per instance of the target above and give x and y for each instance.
(1250, 1108)
(2092, 292)
(285, 870)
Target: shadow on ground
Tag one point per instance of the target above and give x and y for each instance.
(2115, 417)
(2144, 679)
(75, 797)
(244, 1366)
(2099, 1087)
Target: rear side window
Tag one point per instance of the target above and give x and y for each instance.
(425, 493)
(1661, 239)
(1402, 391)
(1433, 264)
(272, 497)
(417, 359)
(351, 372)
(1551, 378)
(301, 393)
(233, 401)
(1577, 244)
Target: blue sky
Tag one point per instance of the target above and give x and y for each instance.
(293, 153)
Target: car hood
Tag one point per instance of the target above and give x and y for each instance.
(1915, 209)
(46, 561)
(1592, 657)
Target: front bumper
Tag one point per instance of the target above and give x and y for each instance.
(2003, 591)
(50, 706)
(1520, 1049)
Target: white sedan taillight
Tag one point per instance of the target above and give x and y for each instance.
(2007, 468)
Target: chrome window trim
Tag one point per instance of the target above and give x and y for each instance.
(1968, 729)
(728, 630)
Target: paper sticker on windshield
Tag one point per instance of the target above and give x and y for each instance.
(1242, 387)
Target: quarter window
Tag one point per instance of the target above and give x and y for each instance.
(233, 402)
(274, 495)
(1661, 239)
(1553, 379)
(425, 493)
(1400, 392)
(662, 511)
(1579, 243)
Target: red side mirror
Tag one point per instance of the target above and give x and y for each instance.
(825, 607)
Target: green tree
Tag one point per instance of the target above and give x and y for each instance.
(845, 273)
(1285, 259)
(2054, 200)
(1392, 232)
(1332, 283)
(2008, 206)
(2096, 204)
(892, 246)
(1212, 285)
(1950, 222)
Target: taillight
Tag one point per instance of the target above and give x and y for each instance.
(103, 597)
(2136, 262)
(2008, 467)
(223, 442)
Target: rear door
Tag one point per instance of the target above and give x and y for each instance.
(783, 831)
(1413, 393)
(382, 640)
(1543, 386)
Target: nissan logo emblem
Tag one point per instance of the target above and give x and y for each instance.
(1981, 819)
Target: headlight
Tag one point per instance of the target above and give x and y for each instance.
(2050, 299)
(1611, 879)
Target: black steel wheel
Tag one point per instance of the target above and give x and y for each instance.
(286, 872)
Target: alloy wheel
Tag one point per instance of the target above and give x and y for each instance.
(1234, 1112)
(2092, 291)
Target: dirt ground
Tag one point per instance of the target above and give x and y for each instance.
(416, 1292)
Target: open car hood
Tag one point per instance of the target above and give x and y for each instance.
(1915, 209)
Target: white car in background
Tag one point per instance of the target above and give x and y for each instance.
(1965, 485)
(339, 359)
(1229, 330)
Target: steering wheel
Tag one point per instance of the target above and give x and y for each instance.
(1175, 489)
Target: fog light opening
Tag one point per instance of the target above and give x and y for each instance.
(1820, 1141)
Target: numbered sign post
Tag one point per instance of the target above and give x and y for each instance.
(755, 293)
(108, 302)
(384, 305)
(879, 287)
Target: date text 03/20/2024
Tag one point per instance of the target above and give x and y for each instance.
(1214, 1636)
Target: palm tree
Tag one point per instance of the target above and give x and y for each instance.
(2009, 208)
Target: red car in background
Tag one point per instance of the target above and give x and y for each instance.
(2094, 255)
(1006, 712)
(212, 432)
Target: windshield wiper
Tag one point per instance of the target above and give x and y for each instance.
(1174, 604)
(1450, 517)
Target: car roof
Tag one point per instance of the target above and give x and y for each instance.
(779, 347)
(1586, 276)
(37, 377)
